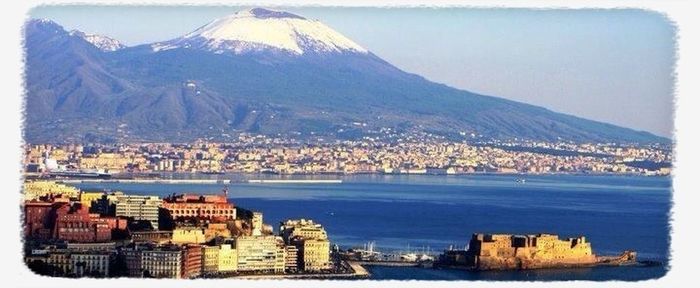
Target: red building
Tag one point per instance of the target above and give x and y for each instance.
(70, 222)
(73, 223)
(211, 207)
(39, 218)
(192, 261)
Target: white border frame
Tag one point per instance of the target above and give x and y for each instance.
(683, 245)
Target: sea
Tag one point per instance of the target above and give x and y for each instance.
(431, 213)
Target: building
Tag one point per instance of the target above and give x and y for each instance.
(95, 264)
(60, 260)
(39, 219)
(89, 247)
(210, 260)
(311, 241)
(131, 258)
(74, 223)
(505, 251)
(260, 254)
(192, 261)
(303, 228)
(214, 230)
(188, 235)
(35, 189)
(108, 161)
(257, 223)
(219, 259)
(314, 254)
(157, 237)
(227, 258)
(291, 263)
(162, 262)
(90, 198)
(204, 207)
(137, 207)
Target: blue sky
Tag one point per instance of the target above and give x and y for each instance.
(614, 66)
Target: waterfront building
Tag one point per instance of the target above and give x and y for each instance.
(203, 207)
(33, 190)
(311, 241)
(505, 251)
(107, 161)
(260, 254)
(291, 263)
(314, 254)
(303, 228)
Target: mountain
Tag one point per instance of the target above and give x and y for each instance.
(262, 30)
(102, 42)
(260, 71)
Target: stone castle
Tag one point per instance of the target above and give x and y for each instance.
(506, 251)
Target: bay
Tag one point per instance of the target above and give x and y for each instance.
(403, 213)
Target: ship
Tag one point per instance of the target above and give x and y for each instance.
(53, 170)
(534, 251)
(79, 174)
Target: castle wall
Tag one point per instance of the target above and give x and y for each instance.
(503, 251)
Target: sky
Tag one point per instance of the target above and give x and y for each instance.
(614, 66)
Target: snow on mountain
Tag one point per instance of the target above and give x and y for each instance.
(102, 42)
(259, 29)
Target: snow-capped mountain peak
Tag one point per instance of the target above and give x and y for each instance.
(102, 42)
(258, 30)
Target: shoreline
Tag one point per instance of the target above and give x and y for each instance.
(300, 178)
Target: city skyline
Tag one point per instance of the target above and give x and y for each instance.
(641, 64)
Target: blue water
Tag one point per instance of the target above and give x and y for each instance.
(402, 213)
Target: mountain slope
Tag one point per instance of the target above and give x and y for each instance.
(193, 86)
(104, 43)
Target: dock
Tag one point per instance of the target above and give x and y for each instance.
(359, 270)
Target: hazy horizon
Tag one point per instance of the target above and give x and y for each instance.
(613, 66)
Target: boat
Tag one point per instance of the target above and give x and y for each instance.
(79, 174)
